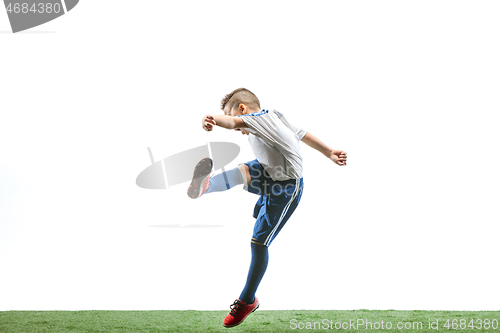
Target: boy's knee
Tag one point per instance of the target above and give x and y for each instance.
(255, 243)
(245, 173)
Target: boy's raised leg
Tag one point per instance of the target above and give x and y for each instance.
(203, 182)
(225, 181)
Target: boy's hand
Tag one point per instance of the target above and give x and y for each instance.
(339, 157)
(208, 123)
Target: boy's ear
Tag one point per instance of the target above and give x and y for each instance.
(243, 108)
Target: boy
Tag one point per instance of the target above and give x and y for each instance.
(276, 176)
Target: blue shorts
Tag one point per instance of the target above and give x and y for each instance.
(277, 202)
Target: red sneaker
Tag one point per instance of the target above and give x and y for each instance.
(239, 311)
(201, 178)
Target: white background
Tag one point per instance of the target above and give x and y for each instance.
(409, 89)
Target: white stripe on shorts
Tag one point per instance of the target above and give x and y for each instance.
(283, 214)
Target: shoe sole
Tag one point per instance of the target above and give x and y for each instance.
(200, 174)
(229, 326)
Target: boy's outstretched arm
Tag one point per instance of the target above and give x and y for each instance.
(208, 122)
(339, 157)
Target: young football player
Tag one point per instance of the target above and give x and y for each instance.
(275, 175)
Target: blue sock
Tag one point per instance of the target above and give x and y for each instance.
(258, 265)
(225, 180)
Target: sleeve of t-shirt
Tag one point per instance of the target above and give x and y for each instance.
(300, 132)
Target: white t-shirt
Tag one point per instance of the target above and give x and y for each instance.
(275, 143)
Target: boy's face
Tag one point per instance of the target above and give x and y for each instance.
(235, 112)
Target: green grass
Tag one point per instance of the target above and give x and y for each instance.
(259, 321)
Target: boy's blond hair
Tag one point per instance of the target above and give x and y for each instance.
(238, 96)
